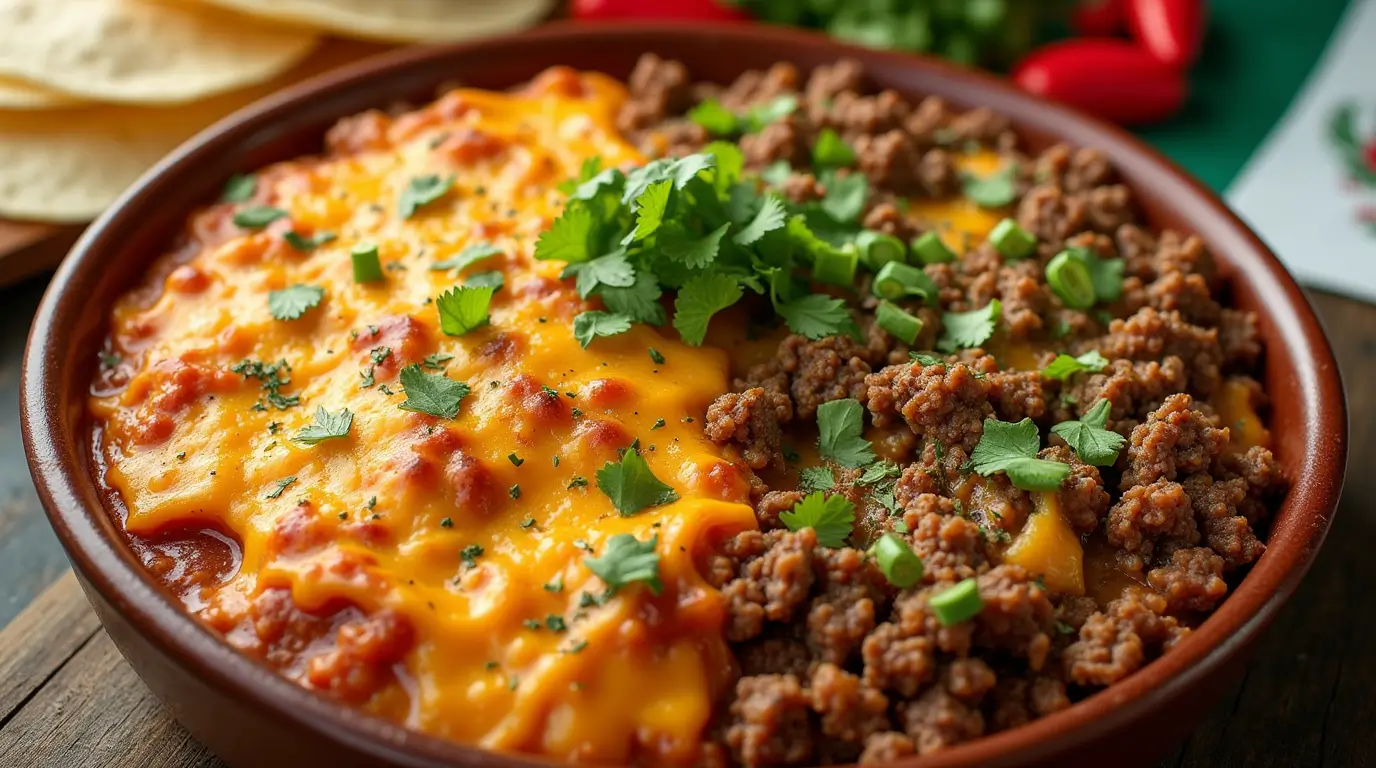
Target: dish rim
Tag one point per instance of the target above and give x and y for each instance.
(54, 441)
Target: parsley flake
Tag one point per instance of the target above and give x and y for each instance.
(281, 486)
(239, 188)
(515, 460)
(470, 554)
(258, 216)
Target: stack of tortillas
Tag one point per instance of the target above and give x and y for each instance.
(94, 92)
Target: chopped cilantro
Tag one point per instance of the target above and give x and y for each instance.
(471, 254)
(327, 425)
(306, 244)
(514, 491)
(272, 376)
(1091, 442)
(831, 151)
(589, 325)
(993, 191)
(463, 309)
(292, 302)
(422, 190)
(239, 188)
(578, 481)
(832, 517)
(626, 560)
(963, 330)
(840, 423)
(1012, 448)
(555, 623)
(528, 523)
(494, 280)
(845, 197)
(470, 554)
(281, 486)
(436, 361)
(659, 424)
(656, 356)
(811, 479)
(258, 216)
(631, 485)
(816, 316)
(515, 460)
(1065, 366)
(698, 300)
(447, 522)
(431, 393)
(555, 585)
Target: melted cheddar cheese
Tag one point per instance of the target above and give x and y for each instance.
(512, 648)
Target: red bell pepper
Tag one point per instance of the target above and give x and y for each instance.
(1171, 30)
(1097, 18)
(682, 10)
(1112, 79)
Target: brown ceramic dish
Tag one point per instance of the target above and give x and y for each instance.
(251, 716)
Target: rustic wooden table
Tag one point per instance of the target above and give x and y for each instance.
(68, 699)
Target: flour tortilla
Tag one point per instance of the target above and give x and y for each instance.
(67, 165)
(17, 94)
(399, 20)
(141, 51)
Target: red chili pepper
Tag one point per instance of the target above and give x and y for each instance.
(1112, 79)
(1171, 30)
(1098, 18)
(683, 10)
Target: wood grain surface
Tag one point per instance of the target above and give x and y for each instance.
(68, 700)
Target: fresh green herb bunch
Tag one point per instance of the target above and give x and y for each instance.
(991, 33)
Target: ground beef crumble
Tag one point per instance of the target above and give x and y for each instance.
(837, 665)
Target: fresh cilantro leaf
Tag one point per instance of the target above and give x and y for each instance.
(569, 238)
(239, 188)
(436, 360)
(816, 316)
(292, 302)
(993, 191)
(1012, 448)
(631, 485)
(831, 151)
(493, 279)
(717, 119)
(626, 560)
(812, 479)
(258, 216)
(639, 302)
(307, 244)
(845, 197)
(651, 207)
(464, 308)
(471, 254)
(1092, 443)
(612, 269)
(590, 168)
(840, 423)
(776, 173)
(589, 325)
(699, 299)
(770, 112)
(879, 472)
(421, 191)
(730, 162)
(281, 485)
(680, 170)
(1065, 366)
(963, 330)
(770, 217)
(326, 426)
(611, 180)
(925, 359)
(832, 517)
(432, 393)
(694, 253)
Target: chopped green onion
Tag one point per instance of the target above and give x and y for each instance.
(1012, 240)
(367, 266)
(931, 250)
(897, 280)
(1070, 279)
(958, 603)
(901, 324)
(836, 266)
(878, 249)
(897, 561)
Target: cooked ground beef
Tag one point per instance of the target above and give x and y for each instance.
(838, 665)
